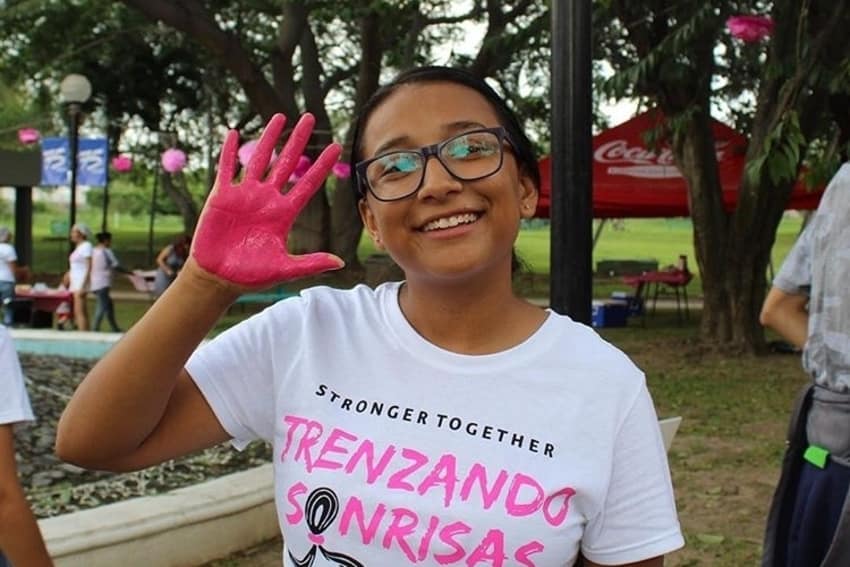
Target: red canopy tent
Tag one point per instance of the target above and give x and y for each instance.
(630, 180)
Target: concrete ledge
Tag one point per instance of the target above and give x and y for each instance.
(185, 527)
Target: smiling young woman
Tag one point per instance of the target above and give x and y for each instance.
(441, 420)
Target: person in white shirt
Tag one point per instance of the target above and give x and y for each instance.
(442, 420)
(79, 262)
(8, 265)
(20, 539)
(103, 265)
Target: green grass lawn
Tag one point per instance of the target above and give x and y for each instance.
(662, 240)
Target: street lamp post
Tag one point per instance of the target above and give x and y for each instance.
(75, 90)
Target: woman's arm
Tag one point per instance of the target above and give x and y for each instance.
(138, 405)
(20, 539)
(87, 277)
(161, 258)
(787, 314)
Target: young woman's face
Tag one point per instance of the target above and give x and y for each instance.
(76, 235)
(449, 228)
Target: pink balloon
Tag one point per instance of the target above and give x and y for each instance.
(304, 164)
(247, 150)
(122, 163)
(28, 135)
(173, 160)
(750, 28)
(342, 170)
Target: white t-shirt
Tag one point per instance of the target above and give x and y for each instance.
(103, 261)
(79, 266)
(14, 401)
(7, 254)
(392, 451)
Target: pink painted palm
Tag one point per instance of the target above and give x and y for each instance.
(242, 233)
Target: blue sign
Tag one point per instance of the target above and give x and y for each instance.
(54, 161)
(92, 159)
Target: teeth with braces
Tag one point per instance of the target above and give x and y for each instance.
(449, 222)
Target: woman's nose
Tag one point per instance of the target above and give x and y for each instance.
(437, 181)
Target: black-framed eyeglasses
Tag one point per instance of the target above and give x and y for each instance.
(469, 156)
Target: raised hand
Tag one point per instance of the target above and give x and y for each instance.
(241, 235)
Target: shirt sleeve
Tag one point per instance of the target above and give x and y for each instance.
(111, 259)
(795, 275)
(638, 520)
(238, 371)
(14, 401)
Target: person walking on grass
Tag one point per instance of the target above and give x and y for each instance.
(104, 264)
(809, 305)
(438, 420)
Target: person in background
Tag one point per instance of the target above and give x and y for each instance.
(489, 430)
(8, 267)
(80, 270)
(103, 264)
(169, 262)
(809, 305)
(20, 539)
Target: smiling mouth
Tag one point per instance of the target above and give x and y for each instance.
(450, 222)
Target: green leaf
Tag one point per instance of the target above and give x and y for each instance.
(711, 539)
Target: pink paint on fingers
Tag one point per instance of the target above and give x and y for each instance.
(227, 159)
(292, 151)
(310, 182)
(241, 236)
(259, 162)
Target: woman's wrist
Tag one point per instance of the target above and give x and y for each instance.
(202, 282)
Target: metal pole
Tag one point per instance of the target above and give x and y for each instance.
(103, 221)
(74, 127)
(571, 210)
(152, 216)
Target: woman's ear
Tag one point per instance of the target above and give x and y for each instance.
(528, 195)
(371, 224)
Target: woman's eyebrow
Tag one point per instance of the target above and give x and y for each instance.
(392, 143)
(462, 125)
(449, 129)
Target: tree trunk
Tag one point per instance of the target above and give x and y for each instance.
(175, 187)
(694, 151)
(310, 232)
(346, 224)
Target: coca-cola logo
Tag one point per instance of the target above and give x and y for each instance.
(619, 151)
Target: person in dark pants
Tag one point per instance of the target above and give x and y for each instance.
(104, 264)
(809, 305)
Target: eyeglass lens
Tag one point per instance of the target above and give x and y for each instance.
(469, 156)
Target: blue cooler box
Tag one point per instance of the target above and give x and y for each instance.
(610, 313)
(635, 303)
